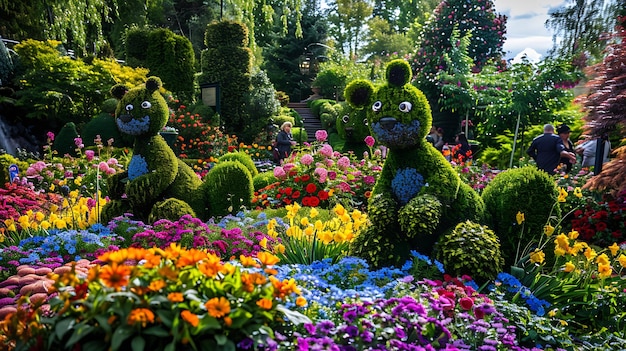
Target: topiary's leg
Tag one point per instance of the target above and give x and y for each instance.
(171, 209)
(112, 209)
(420, 215)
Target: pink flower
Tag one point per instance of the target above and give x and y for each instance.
(279, 172)
(343, 162)
(369, 179)
(112, 162)
(306, 159)
(369, 141)
(89, 154)
(103, 167)
(321, 174)
(79, 142)
(343, 186)
(332, 175)
(50, 136)
(110, 171)
(321, 135)
(326, 150)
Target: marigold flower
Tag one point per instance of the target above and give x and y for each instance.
(265, 303)
(520, 218)
(218, 307)
(157, 285)
(115, 275)
(211, 266)
(191, 257)
(141, 316)
(301, 301)
(175, 297)
(190, 318)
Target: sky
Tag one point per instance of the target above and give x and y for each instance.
(526, 30)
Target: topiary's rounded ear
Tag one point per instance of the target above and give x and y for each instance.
(153, 84)
(118, 91)
(398, 72)
(359, 93)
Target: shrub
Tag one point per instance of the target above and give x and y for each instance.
(230, 185)
(264, 179)
(299, 134)
(471, 249)
(241, 157)
(104, 126)
(528, 191)
(64, 142)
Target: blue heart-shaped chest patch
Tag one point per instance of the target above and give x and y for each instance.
(137, 167)
(406, 184)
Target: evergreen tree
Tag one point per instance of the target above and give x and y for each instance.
(475, 16)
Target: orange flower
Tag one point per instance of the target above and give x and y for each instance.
(141, 316)
(191, 257)
(114, 256)
(157, 285)
(247, 261)
(168, 273)
(218, 307)
(301, 301)
(115, 275)
(211, 266)
(175, 297)
(265, 303)
(190, 318)
(267, 258)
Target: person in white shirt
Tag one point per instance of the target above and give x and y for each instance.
(588, 151)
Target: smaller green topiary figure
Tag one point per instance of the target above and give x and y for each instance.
(418, 196)
(471, 249)
(157, 184)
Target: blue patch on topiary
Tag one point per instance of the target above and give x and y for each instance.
(137, 167)
(401, 135)
(134, 126)
(406, 184)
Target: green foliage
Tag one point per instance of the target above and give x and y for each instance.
(471, 249)
(526, 190)
(420, 216)
(5, 161)
(263, 179)
(280, 119)
(261, 104)
(299, 134)
(334, 76)
(352, 124)
(243, 158)
(64, 141)
(231, 188)
(104, 126)
(228, 62)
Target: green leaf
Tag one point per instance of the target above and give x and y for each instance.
(63, 327)
(221, 339)
(119, 335)
(103, 322)
(79, 332)
(156, 331)
(138, 343)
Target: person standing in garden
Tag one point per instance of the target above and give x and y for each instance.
(564, 132)
(548, 149)
(284, 141)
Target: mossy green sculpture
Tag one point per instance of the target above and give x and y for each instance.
(157, 184)
(418, 195)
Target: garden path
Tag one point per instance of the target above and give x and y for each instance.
(311, 122)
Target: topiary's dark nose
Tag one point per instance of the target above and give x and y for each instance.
(125, 118)
(349, 131)
(388, 122)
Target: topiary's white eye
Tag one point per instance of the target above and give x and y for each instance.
(129, 107)
(405, 106)
(377, 106)
(345, 119)
(146, 104)
(365, 121)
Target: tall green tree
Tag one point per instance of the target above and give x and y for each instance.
(347, 20)
(401, 14)
(383, 41)
(579, 27)
(475, 16)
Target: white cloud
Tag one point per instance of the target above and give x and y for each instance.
(531, 55)
(526, 25)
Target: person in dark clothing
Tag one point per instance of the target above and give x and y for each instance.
(547, 150)
(564, 132)
(284, 141)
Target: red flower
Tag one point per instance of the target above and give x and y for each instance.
(311, 188)
(323, 195)
(313, 201)
(600, 226)
(296, 194)
(306, 177)
(466, 303)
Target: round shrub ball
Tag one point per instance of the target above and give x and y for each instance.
(471, 249)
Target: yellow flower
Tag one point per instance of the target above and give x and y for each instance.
(559, 251)
(569, 267)
(267, 258)
(78, 180)
(301, 301)
(309, 231)
(39, 216)
(280, 248)
(314, 212)
(604, 270)
(578, 193)
(520, 217)
(339, 210)
(622, 260)
(552, 313)
(217, 307)
(590, 253)
(263, 243)
(319, 225)
(573, 235)
(602, 259)
(614, 249)
(562, 195)
(304, 221)
(548, 229)
(537, 256)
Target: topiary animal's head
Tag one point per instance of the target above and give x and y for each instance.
(398, 113)
(141, 111)
(352, 124)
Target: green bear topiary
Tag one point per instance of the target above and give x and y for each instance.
(157, 185)
(527, 190)
(243, 158)
(416, 183)
(471, 249)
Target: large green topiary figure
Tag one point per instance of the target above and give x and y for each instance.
(418, 195)
(157, 184)
(526, 190)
